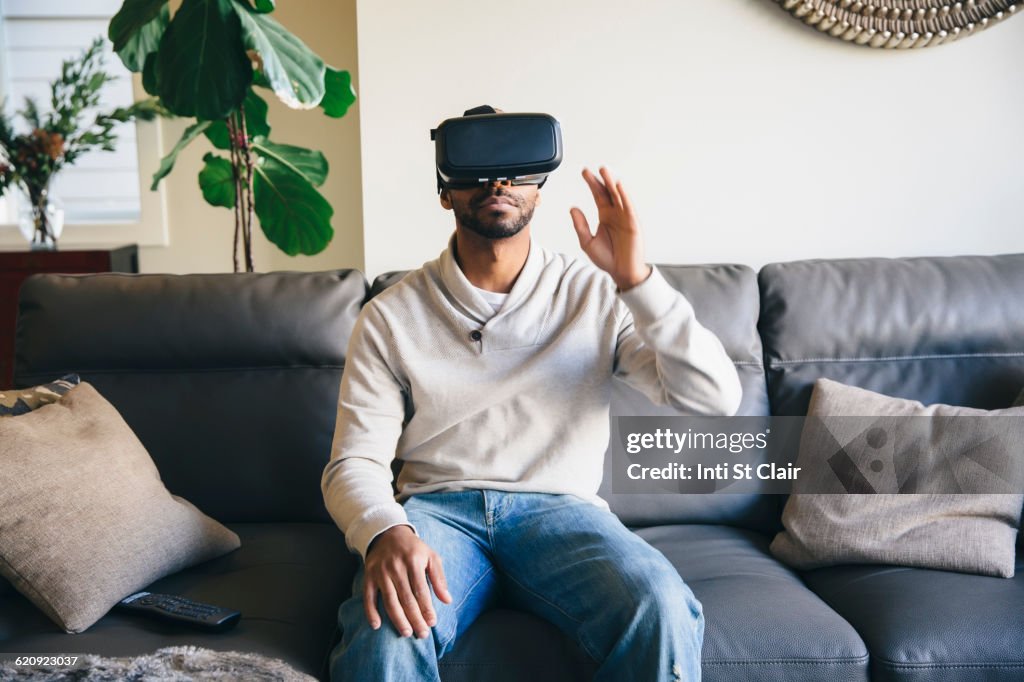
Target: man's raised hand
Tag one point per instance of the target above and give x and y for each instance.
(617, 247)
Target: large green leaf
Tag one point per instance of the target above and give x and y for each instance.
(202, 66)
(136, 30)
(219, 135)
(150, 77)
(294, 71)
(217, 181)
(167, 163)
(259, 79)
(255, 122)
(292, 214)
(338, 93)
(310, 164)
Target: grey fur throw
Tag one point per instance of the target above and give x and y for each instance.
(171, 664)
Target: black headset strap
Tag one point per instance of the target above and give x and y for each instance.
(482, 109)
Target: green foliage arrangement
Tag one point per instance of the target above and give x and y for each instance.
(207, 62)
(56, 139)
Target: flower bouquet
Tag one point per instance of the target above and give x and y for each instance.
(30, 160)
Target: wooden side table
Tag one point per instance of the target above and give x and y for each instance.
(16, 266)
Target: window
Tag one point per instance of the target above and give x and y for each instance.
(106, 195)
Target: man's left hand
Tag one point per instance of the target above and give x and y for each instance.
(617, 247)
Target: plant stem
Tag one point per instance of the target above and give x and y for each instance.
(237, 180)
(38, 195)
(247, 156)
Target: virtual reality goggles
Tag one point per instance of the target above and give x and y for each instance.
(483, 146)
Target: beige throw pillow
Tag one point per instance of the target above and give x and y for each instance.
(971, 533)
(84, 517)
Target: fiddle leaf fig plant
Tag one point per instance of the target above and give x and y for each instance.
(210, 61)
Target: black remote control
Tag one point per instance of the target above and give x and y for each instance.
(197, 614)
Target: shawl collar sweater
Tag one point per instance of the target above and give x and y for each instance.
(515, 400)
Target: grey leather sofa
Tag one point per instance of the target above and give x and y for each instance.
(231, 383)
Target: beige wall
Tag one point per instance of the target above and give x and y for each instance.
(743, 135)
(201, 235)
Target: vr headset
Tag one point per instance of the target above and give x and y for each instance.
(484, 145)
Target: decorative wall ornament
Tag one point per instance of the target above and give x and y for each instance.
(901, 23)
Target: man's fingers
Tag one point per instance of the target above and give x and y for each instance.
(600, 192)
(626, 203)
(370, 604)
(394, 608)
(421, 591)
(579, 223)
(609, 182)
(437, 579)
(411, 606)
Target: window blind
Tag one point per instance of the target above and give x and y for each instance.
(102, 187)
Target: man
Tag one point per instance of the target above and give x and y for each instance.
(488, 371)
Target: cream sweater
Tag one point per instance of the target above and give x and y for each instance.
(517, 400)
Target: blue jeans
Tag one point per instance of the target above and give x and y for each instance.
(556, 556)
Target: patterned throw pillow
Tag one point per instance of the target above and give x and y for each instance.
(969, 533)
(14, 402)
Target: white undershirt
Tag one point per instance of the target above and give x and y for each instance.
(493, 297)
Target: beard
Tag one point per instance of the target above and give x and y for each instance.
(495, 224)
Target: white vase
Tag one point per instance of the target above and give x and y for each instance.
(40, 218)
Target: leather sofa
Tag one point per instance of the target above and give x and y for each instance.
(231, 382)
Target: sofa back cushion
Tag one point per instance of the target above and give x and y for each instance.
(938, 330)
(229, 380)
(725, 300)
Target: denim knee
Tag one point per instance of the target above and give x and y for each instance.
(667, 600)
(688, 607)
(381, 654)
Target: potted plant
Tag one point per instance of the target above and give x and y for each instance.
(30, 160)
(209, 62)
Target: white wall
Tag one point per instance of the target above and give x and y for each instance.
(742, 135)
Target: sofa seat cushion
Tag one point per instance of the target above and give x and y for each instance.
(762, 623)
(924, 625)
(287, 580)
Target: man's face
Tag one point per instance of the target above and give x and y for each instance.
(494, 211)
